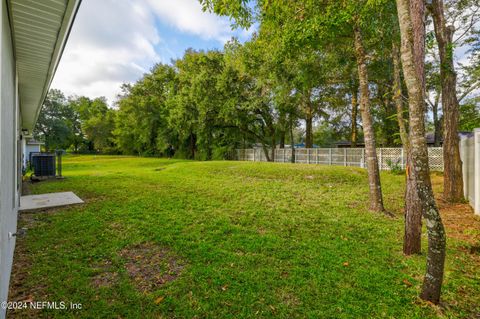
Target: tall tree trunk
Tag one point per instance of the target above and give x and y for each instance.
(389, 127)
(273, 144)
(282, 139)
(265, 151)
(273, 141)
(376, 200)
(292, 142)
(437, 134)
(209, 145)
(452, 171)
(282, 128)
(412, 240)
(308, 123)
(193, 145)
(354, 130)
(412, 29)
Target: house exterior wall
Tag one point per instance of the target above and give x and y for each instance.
(9, 161)
(29, 149)
(470, 155)
(468, 159)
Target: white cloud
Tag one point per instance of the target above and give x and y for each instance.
(110, 43)
(113, 42)
(187, 16)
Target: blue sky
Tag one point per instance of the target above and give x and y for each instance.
(117, 41)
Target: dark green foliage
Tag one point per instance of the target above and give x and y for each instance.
(395, 167)
(76, 123)
(56, 125)
(470, 115)
(294, 81)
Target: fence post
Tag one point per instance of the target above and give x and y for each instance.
(476, 187)
(345, 157)
(363, 157)
(381, 159)
(316, 156)
(308, 156)
(402, 156)
(254, 151)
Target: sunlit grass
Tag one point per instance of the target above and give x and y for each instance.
(256, 239)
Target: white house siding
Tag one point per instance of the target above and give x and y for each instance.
(470, 154)
(9, 132)
(34, 148)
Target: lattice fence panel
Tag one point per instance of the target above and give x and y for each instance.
(387, 157)
(435, 158)
(355, 157)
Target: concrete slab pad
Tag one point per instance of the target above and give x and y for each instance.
(34, 202)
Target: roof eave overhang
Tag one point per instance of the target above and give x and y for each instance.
(31, 109)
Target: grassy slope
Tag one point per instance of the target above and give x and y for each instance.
(259, 239)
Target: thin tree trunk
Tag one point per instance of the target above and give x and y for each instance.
(376, 200)
(437, 135)
(397, 95)
(308, 123)
(452, 171)
(282, 139)
(292, 142)
(413, 31)
(354, 130)
(273, 141)
(389, 127)
(282, 128)
(193, 145)
(265, 151)
(273, 144)
(412, 240)
(209, 145)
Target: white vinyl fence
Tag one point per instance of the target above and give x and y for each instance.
(470, 154)
(340, 156)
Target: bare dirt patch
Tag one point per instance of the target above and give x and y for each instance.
(150, 266)
(106, 277)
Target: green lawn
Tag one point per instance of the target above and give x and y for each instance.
(227, 240)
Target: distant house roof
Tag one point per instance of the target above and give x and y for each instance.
(302, 145)
(430, 136)
(465, 134)
(348, 143)
(34, 142)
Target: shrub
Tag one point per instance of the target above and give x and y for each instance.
(395, 167)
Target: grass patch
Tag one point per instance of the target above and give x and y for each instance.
(167, 238)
